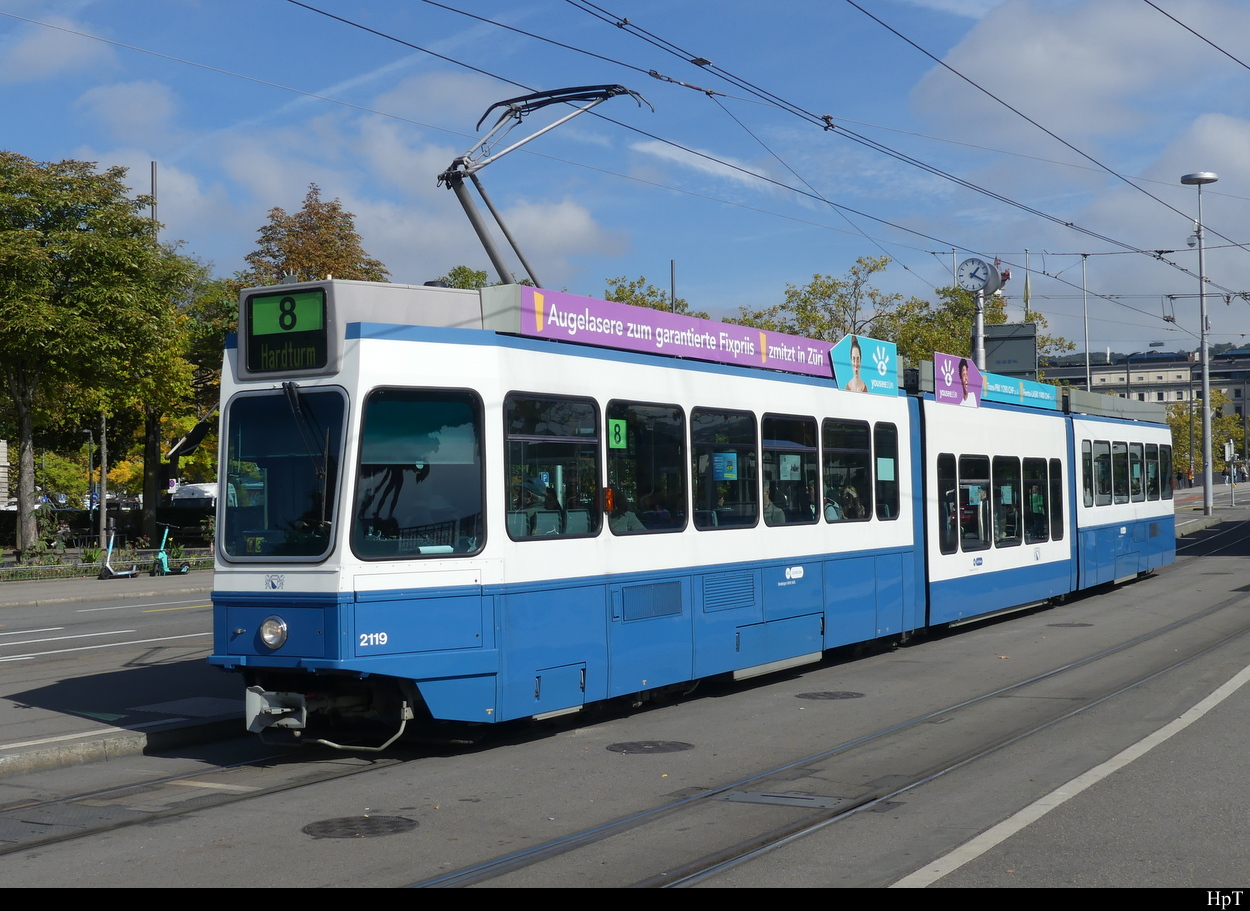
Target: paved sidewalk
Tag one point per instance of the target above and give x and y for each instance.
(69, 721)
(64, 591)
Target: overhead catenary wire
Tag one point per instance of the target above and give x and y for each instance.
(1201, 37)
(1030, 120)
(458, 133)
(362, 108)
(655, 74)
(703, 62)
(827, 123)
(769, 97)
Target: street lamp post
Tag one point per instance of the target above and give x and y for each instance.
(1197, 180)
(1191, 425)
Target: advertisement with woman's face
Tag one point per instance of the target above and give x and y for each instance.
(863, 364)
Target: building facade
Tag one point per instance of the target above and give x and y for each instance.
(1167, 378)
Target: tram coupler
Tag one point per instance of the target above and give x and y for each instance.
(264, 709)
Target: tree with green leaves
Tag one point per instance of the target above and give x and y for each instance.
(639, 293)
(212, 313)
(920, 328)
(319, 241)
(85, 296)
(829, 308)
(1181, 415)
(467, 278)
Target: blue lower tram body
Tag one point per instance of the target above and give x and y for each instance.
(1118, 550)
(495, 653)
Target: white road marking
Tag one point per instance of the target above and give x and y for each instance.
(84, 648)
(991, 838)
(111, 632)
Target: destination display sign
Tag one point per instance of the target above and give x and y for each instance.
(286, 330)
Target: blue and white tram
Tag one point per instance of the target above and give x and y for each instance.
(425, 514)
(998, 517)
(1126, 520)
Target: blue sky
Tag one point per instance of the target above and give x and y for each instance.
(594, 199)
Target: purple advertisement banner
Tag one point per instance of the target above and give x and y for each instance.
(956, 380)
(558, 315)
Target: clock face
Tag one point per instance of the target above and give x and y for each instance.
(978, 275)
(973, 274)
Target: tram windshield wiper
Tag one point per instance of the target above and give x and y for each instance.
(318, 453)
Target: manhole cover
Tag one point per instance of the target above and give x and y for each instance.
(830, 694)
(650, 746)
(359, 827)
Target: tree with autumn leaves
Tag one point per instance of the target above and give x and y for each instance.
(319, 241)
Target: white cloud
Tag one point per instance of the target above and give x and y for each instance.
(419, 243)
(41, 52)
(442, 97)
(1083, 70)
(134, 111)
(972, 9)
(726, 171)
(392, 153)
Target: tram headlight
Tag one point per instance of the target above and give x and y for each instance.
(273, 631)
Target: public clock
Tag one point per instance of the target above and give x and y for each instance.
(978, 275)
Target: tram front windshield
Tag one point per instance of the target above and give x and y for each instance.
(282, 471)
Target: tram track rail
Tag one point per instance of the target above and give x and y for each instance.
(29, 824)
(705, 868)
(678, 813)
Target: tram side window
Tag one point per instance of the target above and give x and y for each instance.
(1087, 473)
(646, 454)
(791, 488)
(1006, 501)
(1102, 473)
(419, 491)
(1034, 501)
(948, 504)
(1119, 471)
(1152, 471)
(552, 466)
(885, 445)
(1165, 471)
(1136, 480)
(1056, 500)
(847, 461)
(975, 518)
(724, 464)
